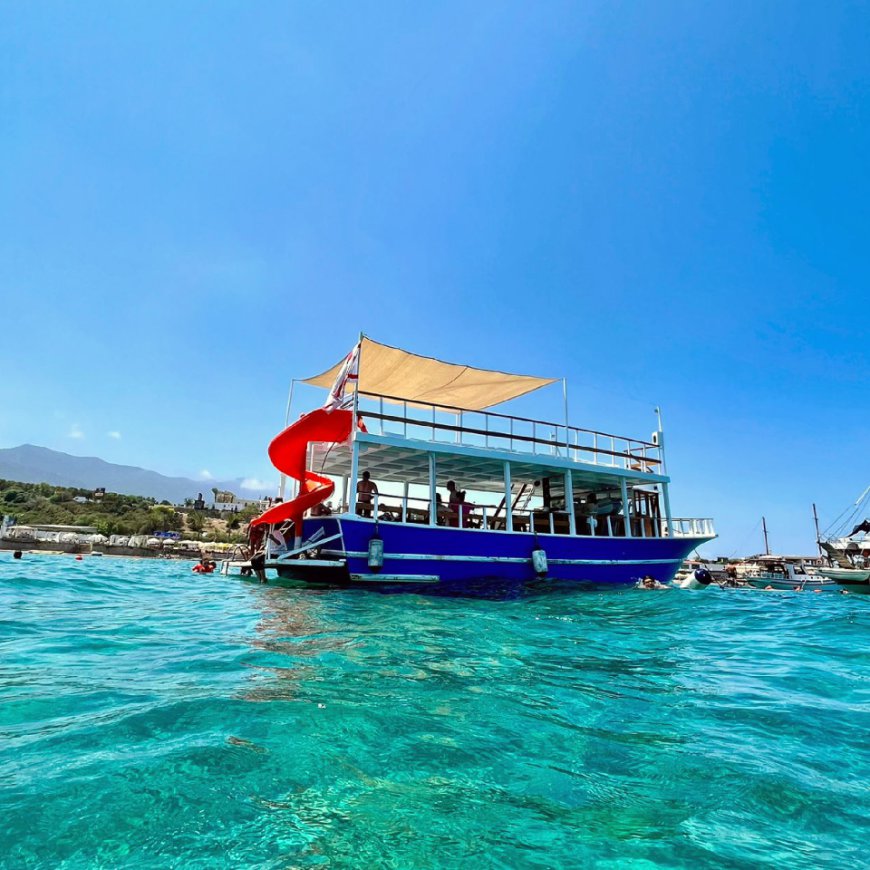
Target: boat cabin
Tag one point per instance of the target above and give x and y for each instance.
(443, 465)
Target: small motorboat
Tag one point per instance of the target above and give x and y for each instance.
(786, 577)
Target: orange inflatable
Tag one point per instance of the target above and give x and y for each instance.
(288, 452)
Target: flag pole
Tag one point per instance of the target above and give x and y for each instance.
(283, 484)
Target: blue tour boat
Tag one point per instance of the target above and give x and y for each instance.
(438, 492)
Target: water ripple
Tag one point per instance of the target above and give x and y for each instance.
(155, 718)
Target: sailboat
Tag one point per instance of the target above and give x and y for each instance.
(778, 573)
(846, 544)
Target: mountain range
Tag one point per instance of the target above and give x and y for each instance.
(31, 464)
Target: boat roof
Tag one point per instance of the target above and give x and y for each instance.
(391, 372)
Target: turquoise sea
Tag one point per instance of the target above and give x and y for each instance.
(155, 718)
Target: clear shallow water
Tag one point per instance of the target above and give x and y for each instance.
(155, 718)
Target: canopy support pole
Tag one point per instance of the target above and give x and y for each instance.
(626, 515)
(433, 501)
(508, 498)
(569, 501)
(354, 476)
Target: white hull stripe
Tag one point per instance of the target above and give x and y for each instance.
(505, 559)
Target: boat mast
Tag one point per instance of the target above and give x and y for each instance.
(818, 534)
(766, 544)
(354, 428)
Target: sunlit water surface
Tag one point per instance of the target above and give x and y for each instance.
(152, 718)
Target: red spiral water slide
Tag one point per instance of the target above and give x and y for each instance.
(288, 452)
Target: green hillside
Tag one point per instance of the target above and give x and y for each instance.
(113, 514)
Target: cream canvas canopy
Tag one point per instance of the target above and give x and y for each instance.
(389, 371)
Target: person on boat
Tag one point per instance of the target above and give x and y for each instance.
(464, 509)
(455, 500)
(365, 493)
(456, 495)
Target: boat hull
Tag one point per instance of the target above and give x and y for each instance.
(846, 576)
(464, 560)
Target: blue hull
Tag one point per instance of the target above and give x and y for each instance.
(469, 561)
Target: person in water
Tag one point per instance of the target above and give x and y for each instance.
(257, 549)
(365, 493)
(17, 554)
(650, 582)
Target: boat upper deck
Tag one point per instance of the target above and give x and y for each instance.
(445, 428)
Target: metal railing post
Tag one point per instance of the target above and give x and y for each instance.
(433, 506)
(508, 498)
(354, 474)
(569, 502)
(626, 517)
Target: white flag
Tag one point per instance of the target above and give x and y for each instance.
(349, 372)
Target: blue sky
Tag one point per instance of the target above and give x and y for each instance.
(665, 202)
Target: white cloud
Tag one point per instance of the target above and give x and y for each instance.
(253, 483)
(114, 434)
(205, 474)
(75, 431)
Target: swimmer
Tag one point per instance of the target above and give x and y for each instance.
(17, 554)
(650, 582)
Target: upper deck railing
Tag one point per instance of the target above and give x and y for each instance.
(445, 424)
